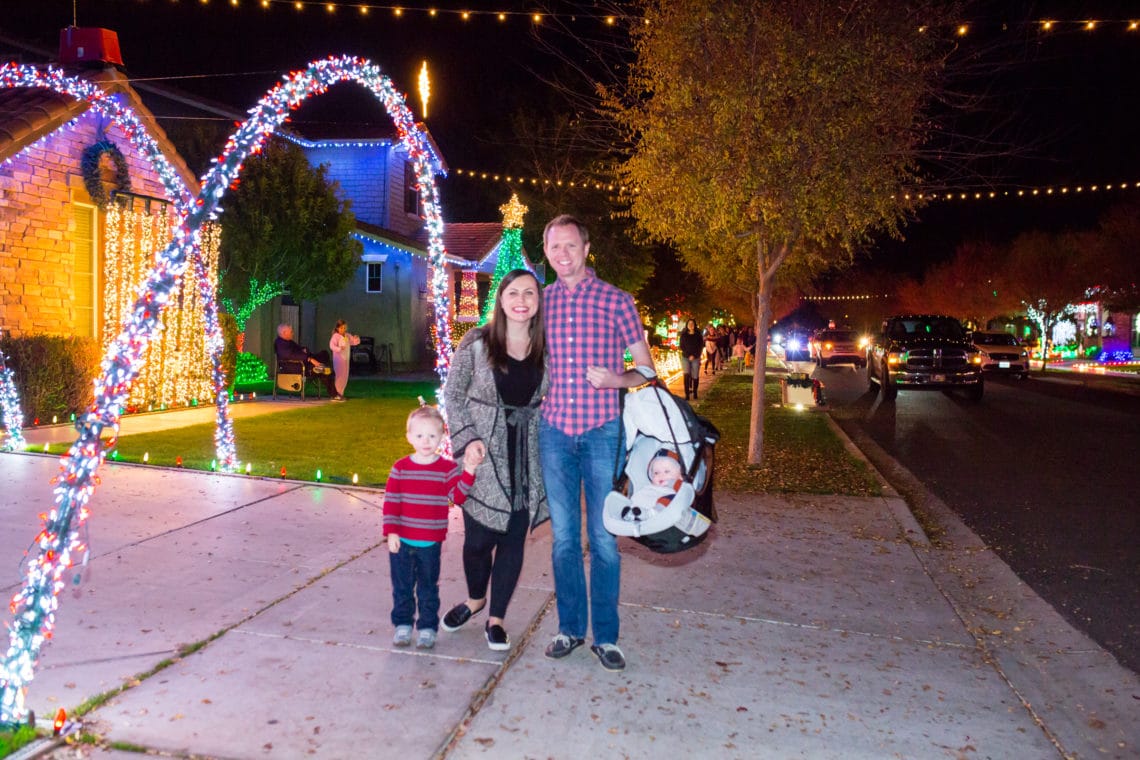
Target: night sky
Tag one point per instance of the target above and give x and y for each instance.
(1064, 102)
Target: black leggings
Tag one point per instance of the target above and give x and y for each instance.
(503, 569)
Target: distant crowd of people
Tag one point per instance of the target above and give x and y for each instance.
(718, 347)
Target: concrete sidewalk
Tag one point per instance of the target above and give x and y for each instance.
(813, 627)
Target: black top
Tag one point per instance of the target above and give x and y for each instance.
(692, 343)
(516, 388)
(517, 385)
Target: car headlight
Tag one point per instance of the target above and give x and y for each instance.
(976, 358)
(894, 357)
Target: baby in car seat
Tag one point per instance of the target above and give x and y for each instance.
(664, 481)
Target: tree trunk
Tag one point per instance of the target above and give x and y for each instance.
(763, 321)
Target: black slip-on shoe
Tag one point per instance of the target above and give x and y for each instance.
(497, 638)
(457, 616)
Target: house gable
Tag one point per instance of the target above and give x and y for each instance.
(48, 223)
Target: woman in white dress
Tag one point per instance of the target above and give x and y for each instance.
(340, 346)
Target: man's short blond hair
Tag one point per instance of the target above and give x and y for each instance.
(426, 413)
(566, 220)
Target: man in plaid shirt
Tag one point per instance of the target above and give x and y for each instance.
(589, 325)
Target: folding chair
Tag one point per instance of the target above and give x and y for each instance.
(289, 375)
(365, 353)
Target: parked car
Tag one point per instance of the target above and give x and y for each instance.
(794, 343)
(924, 352)
(1001, 353)
(838, 347)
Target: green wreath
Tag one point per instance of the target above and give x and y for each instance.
(92, 178)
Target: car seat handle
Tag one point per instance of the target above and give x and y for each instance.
(649, 373)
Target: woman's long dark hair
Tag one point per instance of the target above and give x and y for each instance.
(495, 333)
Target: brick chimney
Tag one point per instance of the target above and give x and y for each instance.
(90, 47)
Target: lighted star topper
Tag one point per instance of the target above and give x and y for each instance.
(513, 212)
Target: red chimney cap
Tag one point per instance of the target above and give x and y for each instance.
(89, 46)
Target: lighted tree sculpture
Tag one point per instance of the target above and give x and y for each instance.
(510, 249)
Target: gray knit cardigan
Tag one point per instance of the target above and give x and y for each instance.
(475, 412)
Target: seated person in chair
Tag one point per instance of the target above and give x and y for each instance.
(289, 350)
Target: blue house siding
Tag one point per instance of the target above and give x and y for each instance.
(363, 176)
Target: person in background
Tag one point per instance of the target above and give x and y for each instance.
(710, 349)
(589, 326)
(691, 342)
(724, 343)
(340, 345)
(290, 350)
(738, 352)
(420, 488)
(497, 380)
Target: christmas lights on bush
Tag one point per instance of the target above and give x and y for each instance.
(10, 413)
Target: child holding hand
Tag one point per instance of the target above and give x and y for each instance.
(420, 488)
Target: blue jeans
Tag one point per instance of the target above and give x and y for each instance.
(571, 463)
(415, 576)
(691, 367)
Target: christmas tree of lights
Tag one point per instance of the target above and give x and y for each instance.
(510, 250)
(468, 310)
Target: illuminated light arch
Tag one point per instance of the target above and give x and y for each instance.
(34, 606)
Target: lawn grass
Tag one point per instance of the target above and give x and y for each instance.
(365, 435)
(362, 436)
(802, 454)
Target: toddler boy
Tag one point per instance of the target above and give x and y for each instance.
(416, 499)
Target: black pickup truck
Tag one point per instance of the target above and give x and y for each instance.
(924, 351)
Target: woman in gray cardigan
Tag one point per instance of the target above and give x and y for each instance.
(497, 379)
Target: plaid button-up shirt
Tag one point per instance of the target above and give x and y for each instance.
(589, 326)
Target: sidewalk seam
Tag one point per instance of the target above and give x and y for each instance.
(487, 689)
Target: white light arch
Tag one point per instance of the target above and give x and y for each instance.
(58, 543)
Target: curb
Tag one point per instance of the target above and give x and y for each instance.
(910, 526)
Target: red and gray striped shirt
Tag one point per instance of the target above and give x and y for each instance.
(417, 496)
(591, 325)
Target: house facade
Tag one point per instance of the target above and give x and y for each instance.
(53, 234)
(389, 298)
(55, 269)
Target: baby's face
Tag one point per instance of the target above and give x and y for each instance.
(663, 471)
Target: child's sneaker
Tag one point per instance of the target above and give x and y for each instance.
(426, 639)
(403, 636)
